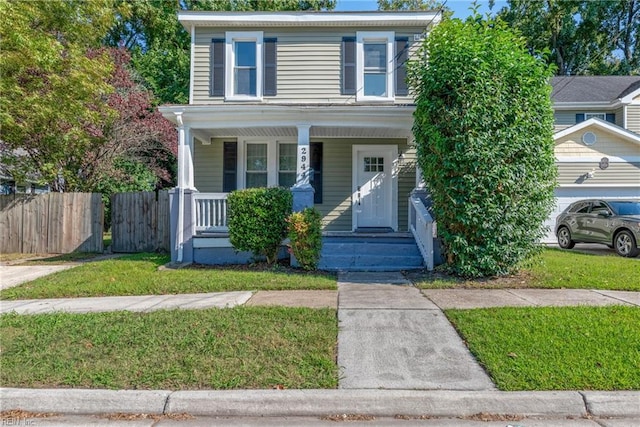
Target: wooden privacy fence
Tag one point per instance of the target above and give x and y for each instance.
(140, 222)
(51, 223)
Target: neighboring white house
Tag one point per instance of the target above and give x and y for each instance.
(597, 136)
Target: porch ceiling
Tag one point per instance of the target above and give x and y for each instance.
(283, 121)
(292, 132)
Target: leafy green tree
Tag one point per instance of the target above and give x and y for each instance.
(409, 4)
(52, 92)
(159, 44)
(483, 128)
(581, 36)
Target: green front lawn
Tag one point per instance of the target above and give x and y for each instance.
(569, 348)
(555, 269)
(138, 274)
(243, 347)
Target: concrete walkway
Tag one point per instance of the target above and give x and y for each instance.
(400, 360)
(392, 337)
(14, 275)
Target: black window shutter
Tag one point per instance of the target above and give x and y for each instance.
(216, 85)
(229, 166)
(611, 117)
(579, 117)
(316, 165)
(270, 67)
(402, 54)
(348, 65)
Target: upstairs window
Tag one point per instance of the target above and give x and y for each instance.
(610, 117)
(243, 66)
(374, 66)
(245, 76)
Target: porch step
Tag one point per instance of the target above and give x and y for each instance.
(370, 253)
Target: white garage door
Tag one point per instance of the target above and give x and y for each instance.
(566, 196)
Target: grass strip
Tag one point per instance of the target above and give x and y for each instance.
(551, 348)
(554, 269)
(243, 347)
(138, 274)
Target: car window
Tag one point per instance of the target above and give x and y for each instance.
(599, 208)
(582, 208)
(626, 208)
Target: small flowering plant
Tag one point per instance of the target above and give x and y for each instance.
(305, 236)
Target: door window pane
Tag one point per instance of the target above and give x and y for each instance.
(374, 164)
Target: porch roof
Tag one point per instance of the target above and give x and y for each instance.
(250, 120)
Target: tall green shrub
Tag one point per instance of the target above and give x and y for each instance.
(258, 220)
(305, 236)
(483, 128)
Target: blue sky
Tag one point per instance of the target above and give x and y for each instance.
(460, 7)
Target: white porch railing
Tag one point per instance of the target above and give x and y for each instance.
(211, 212)
(422, 227)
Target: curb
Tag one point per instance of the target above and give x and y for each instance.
(305, 403)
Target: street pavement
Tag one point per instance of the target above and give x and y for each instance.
(400, 361)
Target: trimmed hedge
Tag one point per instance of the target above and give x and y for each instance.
(258, 220)
(305, 235)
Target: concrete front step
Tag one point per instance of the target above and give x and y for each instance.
(370, 253)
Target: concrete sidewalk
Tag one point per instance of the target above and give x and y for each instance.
(400, 361)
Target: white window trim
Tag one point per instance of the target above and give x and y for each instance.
(366, 36)
(230, 60)
(592, 115)
(272, 160)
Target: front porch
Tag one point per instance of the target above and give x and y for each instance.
(354, 164)
(359, 250)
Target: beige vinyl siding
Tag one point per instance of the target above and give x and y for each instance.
(336, 173)
(619, 116)
(607, 145)
(633, 118)
(309, 65)
(564, 118)
(616, 174)
(207, 165)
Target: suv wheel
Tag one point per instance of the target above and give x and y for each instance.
(564, 238)
(625, 244)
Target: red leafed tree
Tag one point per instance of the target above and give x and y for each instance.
(138, 143)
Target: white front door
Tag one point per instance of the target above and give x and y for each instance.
(373, 201)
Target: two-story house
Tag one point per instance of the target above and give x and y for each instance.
(317, 102)
(597, 137)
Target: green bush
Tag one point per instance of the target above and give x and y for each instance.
(305, 236)
(484, 134)
(258, 220)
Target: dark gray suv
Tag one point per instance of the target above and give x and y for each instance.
(615, 223)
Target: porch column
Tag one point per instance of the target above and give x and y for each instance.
(181, 198)
(185, 154)
(302, 189)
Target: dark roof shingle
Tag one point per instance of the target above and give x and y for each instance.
(592, 88)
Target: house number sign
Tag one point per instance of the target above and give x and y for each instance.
(303, 164)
